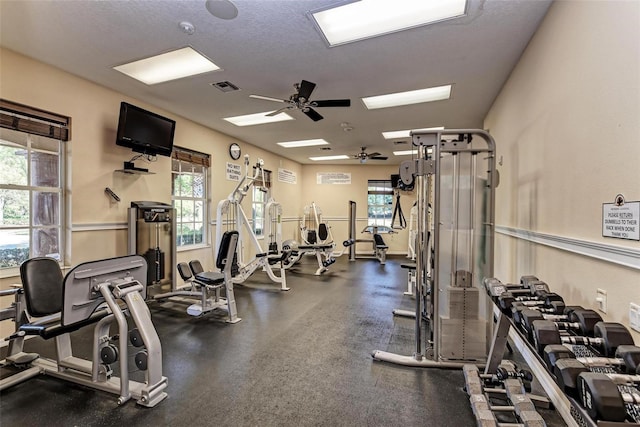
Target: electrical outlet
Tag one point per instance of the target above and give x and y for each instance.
(601, 299)
(634, 316)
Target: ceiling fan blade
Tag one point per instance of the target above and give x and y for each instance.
(267, 98)
(374, 154)
(305, 89)
(275, 113)
(332, 103)
(378, 157)
(313, 114)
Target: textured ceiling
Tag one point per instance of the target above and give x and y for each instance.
(273, 44)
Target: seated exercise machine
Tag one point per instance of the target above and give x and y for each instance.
(206, 286)
(101, 293)
(231, 214)
(378, 246)
(316, 239)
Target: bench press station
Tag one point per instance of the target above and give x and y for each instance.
(101, 293)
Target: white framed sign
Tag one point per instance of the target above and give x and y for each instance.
(621, 219)
(233, 172)
(285, 175)
(333, 178)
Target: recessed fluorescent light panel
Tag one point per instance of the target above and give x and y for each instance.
(258, 119)
(339, 157)
(409, 152)
(370, 18)
(407, 98)
(304, 143)
(168, 66)
(395, 134)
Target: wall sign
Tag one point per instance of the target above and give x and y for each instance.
(621, 219)
(333, 178)
(233, 171)
(287, 176)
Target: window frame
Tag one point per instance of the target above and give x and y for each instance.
(31, 147)
(183, 156)
(380, 187)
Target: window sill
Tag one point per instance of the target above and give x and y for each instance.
(192, 247)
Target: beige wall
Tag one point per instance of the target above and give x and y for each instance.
(333, 200)
(94, 159)
(567, 126)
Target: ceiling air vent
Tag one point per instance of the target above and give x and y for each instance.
(225, 86)
(399, 142)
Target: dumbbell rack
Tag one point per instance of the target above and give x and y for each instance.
(569, 409)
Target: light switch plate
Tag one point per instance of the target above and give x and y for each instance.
(601, 299)
(634, 317)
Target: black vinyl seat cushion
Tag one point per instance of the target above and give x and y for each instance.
(379, 242)
(42, 281)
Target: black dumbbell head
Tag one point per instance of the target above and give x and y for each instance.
(631, 356)
(544, 333)
(587, 320)
(600, 397)
(566, 372)
(555, 352)
(613, 335)
(557, 306)
(527, 317)
(550, 297)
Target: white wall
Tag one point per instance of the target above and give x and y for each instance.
(567, 126)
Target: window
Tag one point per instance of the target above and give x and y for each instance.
(380, 202)
(31, 183)
(260, 197)
(31, 197)
(189, 171)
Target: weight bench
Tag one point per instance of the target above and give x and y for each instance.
(205, 286)
(97, 293)
(210, 283)
(380, 248)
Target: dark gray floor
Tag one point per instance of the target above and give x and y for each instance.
(298, 358)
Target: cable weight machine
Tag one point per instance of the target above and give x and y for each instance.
(455, 172)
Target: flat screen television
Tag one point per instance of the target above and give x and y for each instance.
(145, 132)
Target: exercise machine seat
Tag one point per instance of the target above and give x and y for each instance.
(208, 277)
(379, 242)
(42, 281)
(323, 231)
(221, 261)
(185, 271)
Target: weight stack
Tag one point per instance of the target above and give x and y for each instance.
(463, 333)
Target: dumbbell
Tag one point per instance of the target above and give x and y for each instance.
(555, 307)
(495, 287)
(610, 398)
(507, 374)
(626, 359)
(577, 319)
(521, 405)
(607, 336)
(567, 371)
(546, 300)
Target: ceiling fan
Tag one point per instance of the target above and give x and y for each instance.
(363, 156)
(300, 101)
